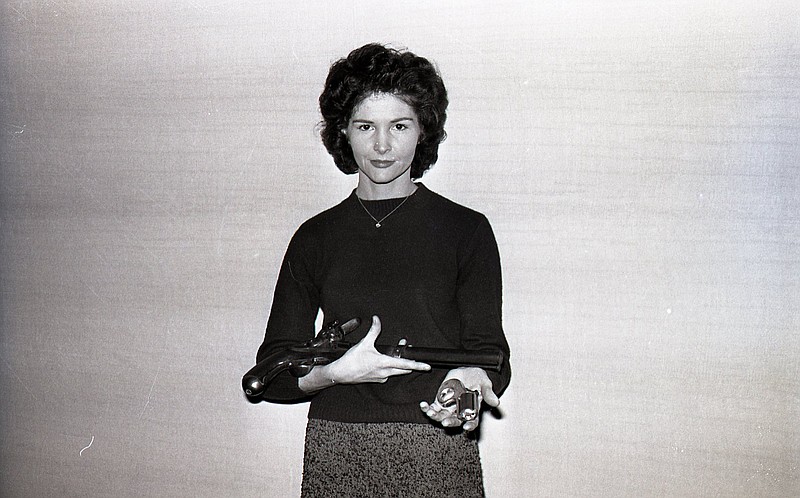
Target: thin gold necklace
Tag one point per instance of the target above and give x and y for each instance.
(379, 222)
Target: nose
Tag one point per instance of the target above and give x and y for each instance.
(382, 145)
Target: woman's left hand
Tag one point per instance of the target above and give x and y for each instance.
(474, 379)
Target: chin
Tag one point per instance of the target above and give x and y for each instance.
(383, 177)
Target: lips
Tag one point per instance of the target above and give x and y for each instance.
(381, 163)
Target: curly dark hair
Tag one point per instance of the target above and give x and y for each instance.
(372, 69)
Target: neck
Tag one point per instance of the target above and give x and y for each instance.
(370, 191)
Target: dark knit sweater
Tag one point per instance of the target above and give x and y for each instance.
(431, 273)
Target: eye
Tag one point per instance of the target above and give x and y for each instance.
(400, 127)
(364, 127)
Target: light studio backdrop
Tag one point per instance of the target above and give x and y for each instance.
(638, 161)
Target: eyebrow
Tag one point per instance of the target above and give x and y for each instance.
(371, 121)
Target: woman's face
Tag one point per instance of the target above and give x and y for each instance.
(383, 133)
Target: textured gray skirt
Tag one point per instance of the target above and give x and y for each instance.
(344, 460)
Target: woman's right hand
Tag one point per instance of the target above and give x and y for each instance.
(360, 364)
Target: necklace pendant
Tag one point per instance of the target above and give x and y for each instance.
(379, 221)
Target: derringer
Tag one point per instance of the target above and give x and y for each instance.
(466, 401)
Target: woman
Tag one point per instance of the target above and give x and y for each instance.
(423, 267)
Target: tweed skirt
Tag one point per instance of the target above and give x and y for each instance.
(347, 460)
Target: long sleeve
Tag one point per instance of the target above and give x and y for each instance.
(291, 320)
(480, 296)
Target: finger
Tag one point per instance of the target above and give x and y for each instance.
(406, 364)
(451, 421)
(430, 410)
(391, 372)
(470, 425)
(440, 414)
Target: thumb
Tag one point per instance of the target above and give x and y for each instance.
(489, 397)
(374, 331)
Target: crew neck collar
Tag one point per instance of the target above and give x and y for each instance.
(415, 193)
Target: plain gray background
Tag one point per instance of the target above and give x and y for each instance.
(638, 161)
